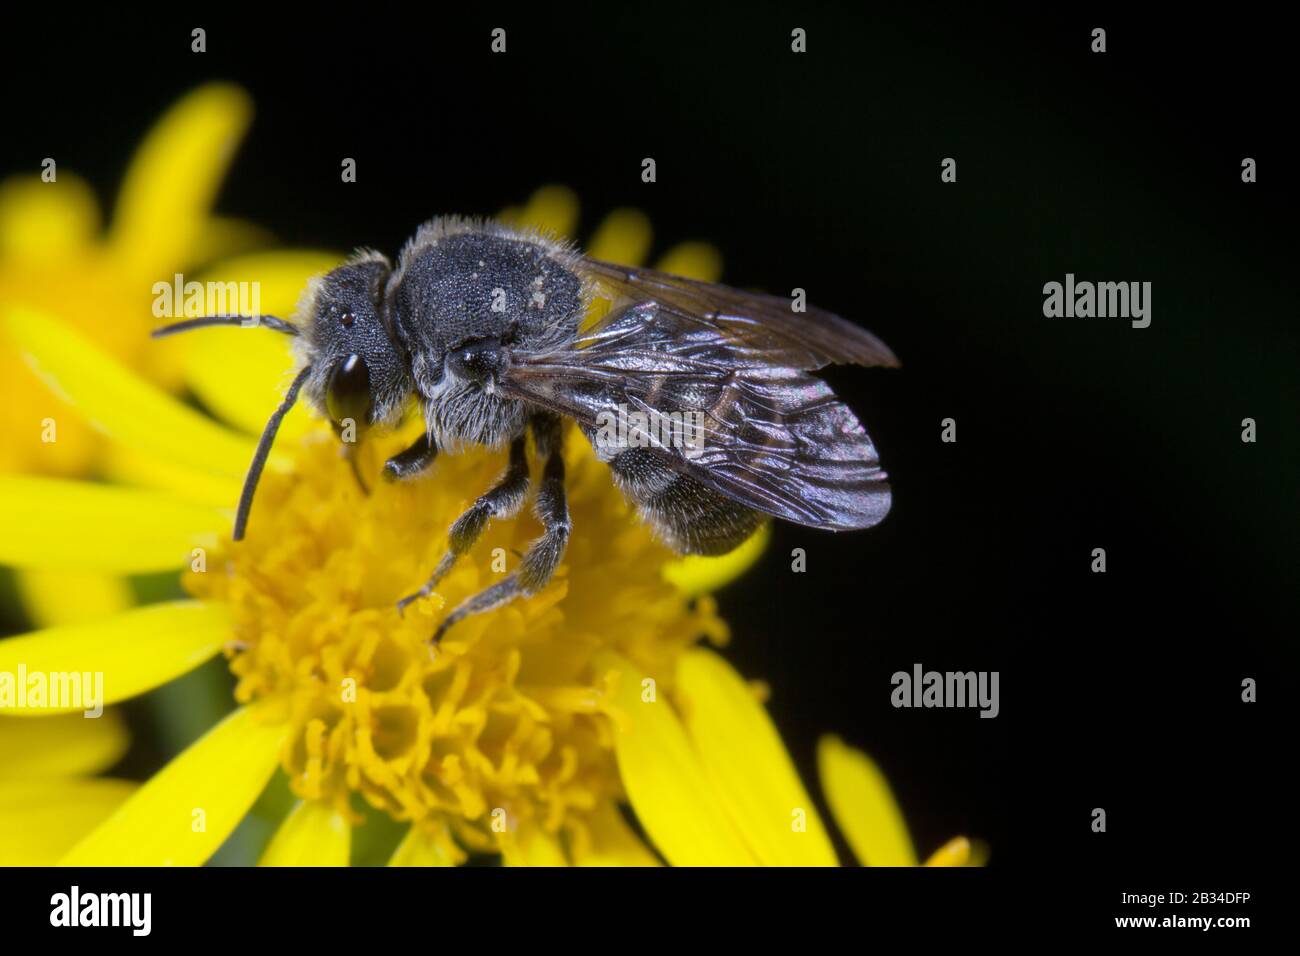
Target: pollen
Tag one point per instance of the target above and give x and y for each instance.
(509, 720)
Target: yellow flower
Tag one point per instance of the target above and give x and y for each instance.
(869, 817)
(55, 260)
(49, 796)
(527, 734)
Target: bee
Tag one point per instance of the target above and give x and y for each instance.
(497, 332)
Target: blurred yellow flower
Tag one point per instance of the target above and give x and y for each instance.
(56, 259)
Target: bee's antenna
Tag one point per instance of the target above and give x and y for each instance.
(248, 321)
(264, 450)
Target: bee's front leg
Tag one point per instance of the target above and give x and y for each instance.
(417, 458)
(505, 498)
(545, 553)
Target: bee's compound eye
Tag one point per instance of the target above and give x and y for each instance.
(348, 395)
(346, 319)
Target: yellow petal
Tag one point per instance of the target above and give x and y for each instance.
(46, 223)
(222, 237)
(694, 260)
(63, 746)
(665, 782)
(743, 754)
(549, 209)
(612, 842)
(173, 178)
(51, 523)
(419, 848)
(281, 276)
(71, 597)
(695, 574)
(313, 834)
(187, 809)
(41, 818)
(131, 653)
(956, 852)
(531, 846)
(623, 238)
(863, 806)
(131, 467)
(241, 374)
(121, 404)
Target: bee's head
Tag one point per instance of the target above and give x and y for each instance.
(359, 369)
(352, 366)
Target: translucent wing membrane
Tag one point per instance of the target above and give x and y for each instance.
(733, 366)
(764, 327)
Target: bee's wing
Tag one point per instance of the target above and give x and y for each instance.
(764, 327)
(770, 435)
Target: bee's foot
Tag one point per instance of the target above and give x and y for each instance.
(410, 599)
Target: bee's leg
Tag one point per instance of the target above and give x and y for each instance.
(417, 458)
(502, 501)
(544, 554)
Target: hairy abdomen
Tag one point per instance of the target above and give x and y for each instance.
(690, 517)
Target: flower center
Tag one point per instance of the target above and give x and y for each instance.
(508, 720)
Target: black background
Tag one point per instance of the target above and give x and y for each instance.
(821, 171)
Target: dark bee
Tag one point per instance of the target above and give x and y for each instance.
(497, 332)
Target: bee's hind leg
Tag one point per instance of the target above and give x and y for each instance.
(545, 553)
(505, 498)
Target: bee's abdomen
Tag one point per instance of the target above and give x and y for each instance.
(690, 517)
